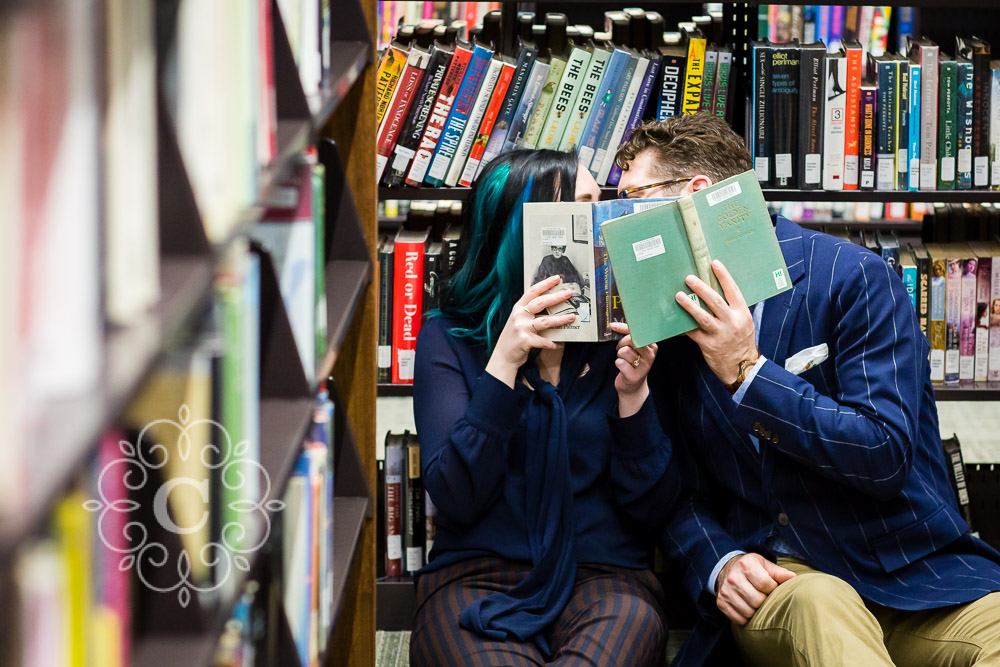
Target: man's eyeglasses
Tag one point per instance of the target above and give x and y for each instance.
(628, 192)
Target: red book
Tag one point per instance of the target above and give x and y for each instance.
(486, 126)
(471, 14)
(268, 128)
(439, 114)
(116, 582)
(855, 71)
(409, 82)
(407, 301)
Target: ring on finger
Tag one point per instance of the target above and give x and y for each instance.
(528, 311)
(635, 362)
(533, 326)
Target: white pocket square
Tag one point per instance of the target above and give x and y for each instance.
(805, 359)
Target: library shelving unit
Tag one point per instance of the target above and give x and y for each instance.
(166, 633)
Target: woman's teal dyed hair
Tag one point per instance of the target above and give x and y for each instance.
(490, 278)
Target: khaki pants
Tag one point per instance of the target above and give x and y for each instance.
(820, 620)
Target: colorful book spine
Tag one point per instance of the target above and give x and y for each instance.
(923, 263)
(465, 98)
(614, 112)
(669, 103)
(565, 98)
(708, 80)
(984, 277)
(867, 134)
(903, 127)
(723, 83)
(526, 107)
(967, 321)
(518, 83)
(936, 317)
(993, 366)
(995, 125)
(784, 106)
(854, 54)
(395, 467)
(607, 151)
(390, 66)
(980, 56)
(927, 54)
(439, 115)
(487, 126)
(947, 93)
(407, 301)
(953, 320)
(909, 271)
(406, 89)
(916, 123)
(694, 73)
(471, 126)
(887, 122)
(586, 100)
(618, 67)
(546, 97)
(964, 124)
(834, 121)
(760, 142)
(638, 111)
(413, 507)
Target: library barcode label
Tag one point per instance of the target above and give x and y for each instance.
(553, 236)
(246, 510)
(762, 166)
(403, 157)
(406, 358)
(648, 248)
(980, 171)
(722, 194)
(779, 279)
(813, 168)
(641, 205)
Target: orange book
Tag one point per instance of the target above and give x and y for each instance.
(486, 126)
(855, 70)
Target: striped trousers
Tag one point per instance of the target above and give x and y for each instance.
(613, 617)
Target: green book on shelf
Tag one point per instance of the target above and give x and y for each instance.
(653, 251)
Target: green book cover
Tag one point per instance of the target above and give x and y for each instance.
(545, 98)
(947, 98)
(653, 251)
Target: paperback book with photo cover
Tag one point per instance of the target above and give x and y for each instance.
(654, 250)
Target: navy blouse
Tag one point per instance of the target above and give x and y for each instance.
(472, 439)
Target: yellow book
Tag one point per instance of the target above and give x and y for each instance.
(694, 73)
(72, 526)
(389, 68)
(107, 631)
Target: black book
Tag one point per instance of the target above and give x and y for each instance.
(432, 276)
(385, 288)
(759, 115)
(867, 134)
(903, 145)
(888, 243)
(785, 105)
(414, 528)
(923, 263)
(956, 473)
(884, 70)
(811, 88)
(978, 51)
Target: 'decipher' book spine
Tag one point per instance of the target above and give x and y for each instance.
(586, 100)
(518, 83)
(673, 66)
(784, 104)
(810, 149)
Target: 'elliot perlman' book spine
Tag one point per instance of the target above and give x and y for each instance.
(809, 155)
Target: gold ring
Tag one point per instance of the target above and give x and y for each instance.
(636, 363)
(528, 311)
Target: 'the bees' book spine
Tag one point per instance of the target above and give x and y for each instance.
(586, 100)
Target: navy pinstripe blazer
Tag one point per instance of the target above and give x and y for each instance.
(850, 472)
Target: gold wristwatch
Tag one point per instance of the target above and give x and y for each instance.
(741, 374)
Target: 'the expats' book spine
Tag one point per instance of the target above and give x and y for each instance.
(526, 107)
(694, 73)
(964, 124)
(854, 53)
(809, 155)
(916, 125)
(406, 89)
(967, 322)
(586, 100)
(471, 129)
(887, 69)
(866, 141)
(708, 79)
(385, 290)
(565, 99)
(613, 80)
(953, 320)
(947, 73)
(834, 121)
(669, 103)
(903, 127)
(760, 143)
(487, 126)
(518, 83)
(439, 115)
(723, 83)
(784, 104)
(638, 111)
(458, 116)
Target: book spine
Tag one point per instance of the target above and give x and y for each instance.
(993, 366)
(995, 127)
(385, 290)
(546, 97)
(967, 323)
(723, 79)
(888, 108)
(447, 145)
(956, 473)
(608, 150)
(526, 107)
(916, 123)
(928, 116)
(599, 117)
(614, 112)
(834, 122)
(836, 26)
(432, 278)
(602, 274)
(406, 89)
(981, 116)
(420, 113)
(947, 78)
(413, 510)
(696, 240)
(671, 94)
(518, 83)
(984, 275)
(810, 149)
(638, 111)
(785, 105)
(853, 113)
(866, 141)
(390, 66)
(936, 319)
(964, 126)
(903, 127)
(471, 129)
(486, 127)
(693, 75)
(586, 100)
(565, 99)
(761, 142)
(439, 116)
(708, 81)
(910, 283)
(430, 525)
(923, 292)
(407, 304)
(394, 467)
(953, 317)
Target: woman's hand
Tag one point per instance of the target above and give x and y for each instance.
(523, 329)
(633, 366)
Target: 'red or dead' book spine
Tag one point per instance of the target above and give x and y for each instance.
(407, 301)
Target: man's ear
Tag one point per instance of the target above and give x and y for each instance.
(699, 182)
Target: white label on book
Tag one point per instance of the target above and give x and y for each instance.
(405, 358)
(553, 236)
(996, 173)
(469, 173)
(937, 365)
(385, 356)
(439, 168)
(779, 279)
(814, 162)
(914, 173)
(947, 169)
(783, 165)
(284, 197)
(394, 546)
(762, 166)
(965, 160)
(928, 176)
(722, 194)
(595, 165)
(414, 558)
(380, 162)
(901, 161)
(885, 172)
(586, 156)
(981, 170)
(868, 179)
(648, 248)
(643, 205)
(850, 169)
(403, 157)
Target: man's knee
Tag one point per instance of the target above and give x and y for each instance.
(809, 597)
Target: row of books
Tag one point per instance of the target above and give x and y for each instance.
(850, 211)
(832, 24)
(409, 514)
(919, 120)
(446, 107)
(394, 13)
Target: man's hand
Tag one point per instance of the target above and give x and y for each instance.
(744, 583)
(726, 335)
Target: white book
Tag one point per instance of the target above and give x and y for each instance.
(590, 89)
(472, 125)
(622, 121)
(566, 94)
(834, 122)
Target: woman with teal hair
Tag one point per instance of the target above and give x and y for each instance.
(546, 461)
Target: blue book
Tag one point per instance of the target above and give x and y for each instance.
(909, 269)
(963, 125)
(525, 107)
(638, 111)
(608, 129)
(913, 154)
(612, 82)
(458, 116)
(297, 549)
(518, 85)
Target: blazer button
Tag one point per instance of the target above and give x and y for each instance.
(776, 439)
(756, 427)
(782, 519)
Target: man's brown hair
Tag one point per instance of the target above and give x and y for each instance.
(687, 146)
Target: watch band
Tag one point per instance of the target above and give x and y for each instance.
(741, 374)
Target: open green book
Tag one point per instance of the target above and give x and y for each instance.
(653, 251)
